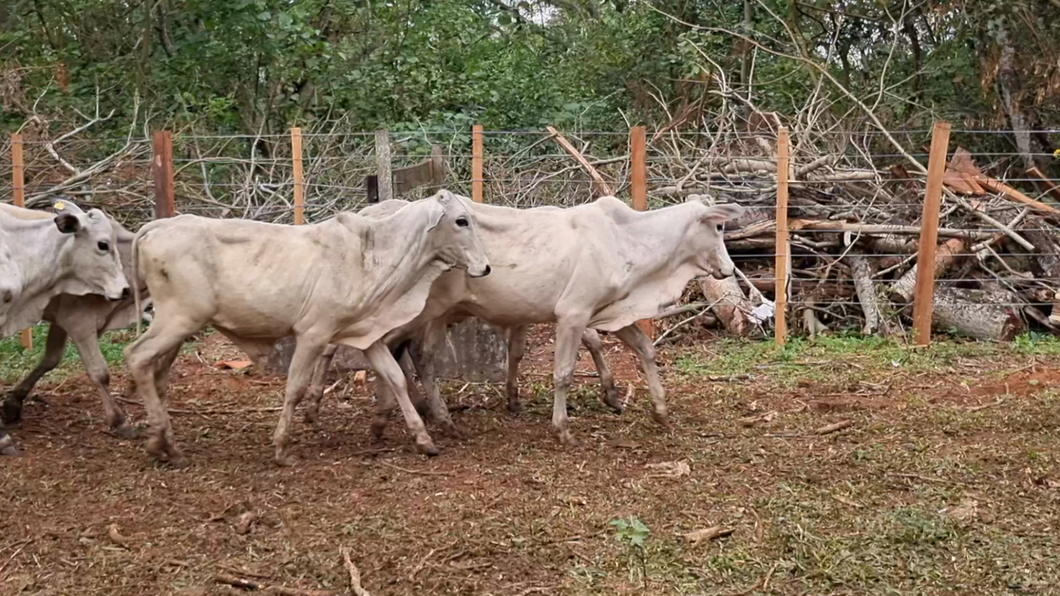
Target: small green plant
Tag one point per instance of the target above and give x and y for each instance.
(632, 533)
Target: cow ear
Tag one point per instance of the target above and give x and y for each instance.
(68, 223)
(435, 213)
(721, 213)
(64, 205)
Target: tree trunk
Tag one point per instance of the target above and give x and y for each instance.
(1010, 88)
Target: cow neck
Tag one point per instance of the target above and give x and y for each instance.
(399, 249)
(42, 238)
(659, 237)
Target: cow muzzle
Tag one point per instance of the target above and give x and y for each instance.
(720, 274)
(480, 272)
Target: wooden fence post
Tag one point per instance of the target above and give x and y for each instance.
(162, 165)
(476, 164)
(18, 183)
(783, 254)
(923, 301)
(384, 171)
(638, 177)
(299, 179)
(437, 168)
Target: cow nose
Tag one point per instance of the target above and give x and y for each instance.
(720, 275)
(125, 292)
(487, 270)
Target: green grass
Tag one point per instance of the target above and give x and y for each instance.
(16, 361)
(740, 356)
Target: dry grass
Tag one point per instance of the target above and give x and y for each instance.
(927, 492)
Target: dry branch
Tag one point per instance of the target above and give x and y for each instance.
(355, 574)
(597, 178)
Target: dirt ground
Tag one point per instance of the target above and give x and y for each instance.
(946, 481)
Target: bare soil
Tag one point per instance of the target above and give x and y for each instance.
(945, 482)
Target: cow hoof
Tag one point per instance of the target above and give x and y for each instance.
(662, 419)
(426, 446)
(566, 439)
(613, 400)
(12, 410)
(7, 447)
(450, 430)
(179, 461)
(514, 407)
(312, 417)
(286, 461)
(126, 431)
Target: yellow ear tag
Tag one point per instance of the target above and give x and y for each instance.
(1056, 154)
(59, 205)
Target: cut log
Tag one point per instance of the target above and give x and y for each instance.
(946, 255)
(978, 314)
(731, 306)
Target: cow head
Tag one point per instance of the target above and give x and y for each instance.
(453, 235)
(95, 266)
(709, 239)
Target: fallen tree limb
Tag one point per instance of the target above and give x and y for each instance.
(355, 574)
(990, 220)
(862, 272)
(831, 428)
(597, 178)
(945, 256)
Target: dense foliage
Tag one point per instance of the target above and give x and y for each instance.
(255, 66)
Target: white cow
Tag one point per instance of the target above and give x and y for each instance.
(515, 338)
(598, 266)
(44, 255)
(83, 319)
(348, 280)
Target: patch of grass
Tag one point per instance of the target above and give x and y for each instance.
(1037, 344)
(16, 362)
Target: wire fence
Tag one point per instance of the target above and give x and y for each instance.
(855, 207)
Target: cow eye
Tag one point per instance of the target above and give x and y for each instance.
(103, 246)
(462, 222)
(720, 227)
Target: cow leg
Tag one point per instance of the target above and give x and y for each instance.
(408, 367)
(516, 350)
(389, 373)
(610, 396)
(316, 387)
(165, 366)
(307, 353)
(96, 365)
(7, 444)
(53, 355)
(143, 358)
(384, 399)
(422, 353)
(566, 356)
(635, 338)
